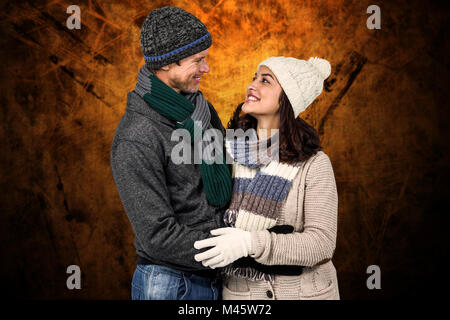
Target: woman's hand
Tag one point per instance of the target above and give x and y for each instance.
(229, 245)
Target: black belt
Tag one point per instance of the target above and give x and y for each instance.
(284, 270)
(210, 274)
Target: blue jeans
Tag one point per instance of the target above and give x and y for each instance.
(154, 282)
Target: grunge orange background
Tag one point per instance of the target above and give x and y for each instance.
(382, 120)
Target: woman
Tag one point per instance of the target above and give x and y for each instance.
(283, 212)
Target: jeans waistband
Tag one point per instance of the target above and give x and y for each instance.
(208, 274)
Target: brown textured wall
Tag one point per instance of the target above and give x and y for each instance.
(381, 118)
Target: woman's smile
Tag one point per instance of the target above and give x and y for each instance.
(252, 98)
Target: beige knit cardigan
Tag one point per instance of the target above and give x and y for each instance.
(311, 207)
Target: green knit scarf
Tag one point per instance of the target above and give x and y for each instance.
(216, 177)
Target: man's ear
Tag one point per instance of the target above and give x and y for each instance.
(167, 67)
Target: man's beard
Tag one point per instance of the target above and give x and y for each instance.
(184, 86)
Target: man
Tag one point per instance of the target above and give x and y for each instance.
(169, 205)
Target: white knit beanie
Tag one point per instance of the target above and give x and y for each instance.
(301, 80)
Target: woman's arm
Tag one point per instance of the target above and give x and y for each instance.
(317, 242)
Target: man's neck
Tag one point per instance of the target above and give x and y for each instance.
(162, 75)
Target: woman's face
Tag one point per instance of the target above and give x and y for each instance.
(263, 94)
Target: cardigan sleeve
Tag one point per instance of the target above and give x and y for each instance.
(316, 243)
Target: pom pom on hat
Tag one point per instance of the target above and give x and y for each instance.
(301, 80)
(322, 65)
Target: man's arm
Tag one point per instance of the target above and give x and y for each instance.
(140, 180)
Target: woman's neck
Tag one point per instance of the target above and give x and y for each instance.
(266, 128)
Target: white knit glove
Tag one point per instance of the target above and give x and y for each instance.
(229, 245)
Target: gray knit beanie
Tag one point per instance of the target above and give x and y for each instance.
(170, 34)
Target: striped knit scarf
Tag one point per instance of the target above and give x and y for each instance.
(260, 189)
(172, 105)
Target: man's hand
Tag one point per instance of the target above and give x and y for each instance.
(229, 245)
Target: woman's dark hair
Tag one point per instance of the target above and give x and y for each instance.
(298, 140)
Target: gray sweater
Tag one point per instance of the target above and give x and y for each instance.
(165, 202)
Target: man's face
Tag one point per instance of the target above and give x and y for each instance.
(186, 76)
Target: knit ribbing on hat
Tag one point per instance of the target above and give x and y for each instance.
(166, 55)
(170, 34)
(301, 80)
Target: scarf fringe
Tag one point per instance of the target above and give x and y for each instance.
(229, 217)
(248, 273)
